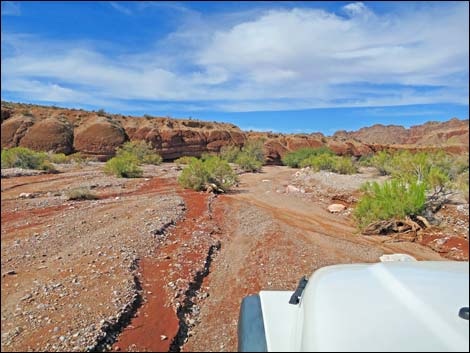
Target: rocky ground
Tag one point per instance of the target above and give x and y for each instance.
(150, 267)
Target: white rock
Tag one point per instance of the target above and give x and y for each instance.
(336, 208)
(292, 188)
(397, 258)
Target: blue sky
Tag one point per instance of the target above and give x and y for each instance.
(280, 66)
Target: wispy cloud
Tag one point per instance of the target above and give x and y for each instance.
(10, 8)
(275, 59)
(120, 8)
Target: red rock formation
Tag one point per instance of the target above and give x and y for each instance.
(51, 134)
(72, 130)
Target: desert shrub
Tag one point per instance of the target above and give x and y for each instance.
(248, 163)
(229, 153)
(392, 199)
(461, 184)
(365, 160)
(254, 149)
(184, 160)
(319, 162)
(220, 173)
(81, 194)
(294, 159)
(21, 157)
(382, 161)
(436, 170)
(78, 158)
(206, 155)
(58, 158)
(199, 174)
(47, 166)
(125, 166)
(332, 163)
(344, 165)
(194, 176)
(140, 150)
(250, 157)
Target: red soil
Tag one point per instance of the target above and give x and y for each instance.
(157, 317)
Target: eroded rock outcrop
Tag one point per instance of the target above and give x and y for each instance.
(100, 134)
(50, 134)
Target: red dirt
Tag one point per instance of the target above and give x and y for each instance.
(157, 317)
(9, 218)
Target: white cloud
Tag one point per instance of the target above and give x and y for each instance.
(357, 9)
(266, 60)
(120, 8)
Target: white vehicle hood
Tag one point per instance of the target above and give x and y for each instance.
(404, 306)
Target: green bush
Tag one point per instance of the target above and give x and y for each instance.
(194, 176)
(184, 160)
(21, 157)
(248, 163)
(206, 155)
(125, 166)
(295, 159)
(462, 184)
(230, 153)
(220, 173)
(81, 194)
(58, 158)
(393, 199)
(47, 166)
(199, 174)
(332, 163)
(78, 158)
(254, 149)
(344, 165)
(140, 150)
(382, 161)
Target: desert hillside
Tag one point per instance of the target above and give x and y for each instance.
(99, 134)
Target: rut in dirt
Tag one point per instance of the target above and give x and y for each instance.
(111, 331)
(181, 337)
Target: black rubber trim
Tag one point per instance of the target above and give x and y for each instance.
(251, 333)
(464, 313)
(295, 298)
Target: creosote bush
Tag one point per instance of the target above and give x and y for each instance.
(248, 163)
(320, 159)
(58, 158)
(419, 180)
(81, 194)
(140, 150)
(230, 153)
(250, 158)
(21, 157)
(200, 175)
(125, 166)
(184, 160)
(392, 199)
(295, 159)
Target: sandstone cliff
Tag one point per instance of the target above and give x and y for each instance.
(99, 134)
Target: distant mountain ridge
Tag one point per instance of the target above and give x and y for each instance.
(433, 133)
(99, 134)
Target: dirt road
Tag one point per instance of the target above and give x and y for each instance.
(151, 267)
(271, 239)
